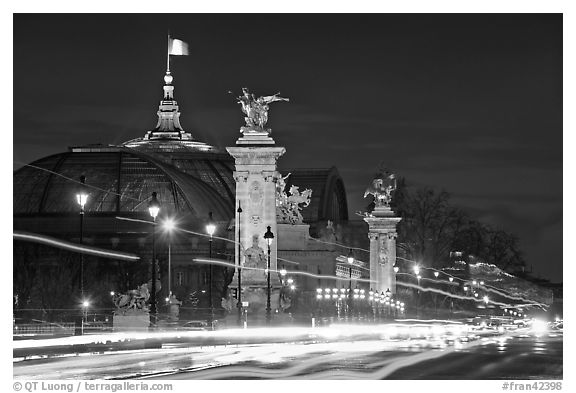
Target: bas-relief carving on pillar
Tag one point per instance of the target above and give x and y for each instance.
(256, 195)
(383, 251)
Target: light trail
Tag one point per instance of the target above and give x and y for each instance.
(109, 191)
(338, 244)
(331, 277)
(456, 296)
(320, 365)
(65, 245)
(181, 230)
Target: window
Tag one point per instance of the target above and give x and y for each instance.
(180, 278)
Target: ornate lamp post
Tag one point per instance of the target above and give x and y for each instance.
(169, 226)
(210, 229)
(85, 305)
(82, 198)
(388, 297)
(239, 294)
(418, 277)
(350, 260)
(154, 209)
(269, 236)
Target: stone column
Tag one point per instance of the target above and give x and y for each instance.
(374, 270)
(382, 234)
(256, 158)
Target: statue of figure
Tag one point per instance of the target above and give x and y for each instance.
(174, 307)
(382, 187)
(329, 232)
(288, 207)
(255, 261)
(133, 300)
(256, 110)
(285, 298)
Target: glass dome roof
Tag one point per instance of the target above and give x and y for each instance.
(120, 179)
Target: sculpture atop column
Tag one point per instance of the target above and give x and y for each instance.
(255, 158)
(256, 111)
(382, 231)
(382, 187)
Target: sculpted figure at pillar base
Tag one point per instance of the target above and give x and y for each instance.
(255, 264)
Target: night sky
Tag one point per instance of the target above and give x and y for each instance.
(471, 104)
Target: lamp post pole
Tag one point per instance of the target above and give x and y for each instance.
(239, 293)
(168, 226)
(417, 272)
(350, 259)
(268, 236)
(210, 228)
(82, 198)
(154, 209)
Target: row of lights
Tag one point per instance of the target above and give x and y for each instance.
(512, 312)
(374, 296)
(289, 280)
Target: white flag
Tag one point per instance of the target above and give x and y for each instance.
(178, 48)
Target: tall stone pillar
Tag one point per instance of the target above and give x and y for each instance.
(256, 157)
(382, 233)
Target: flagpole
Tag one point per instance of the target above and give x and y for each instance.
(168, 56)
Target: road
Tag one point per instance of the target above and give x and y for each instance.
(329, 355)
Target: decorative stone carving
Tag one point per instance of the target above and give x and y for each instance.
(288, 206)
(256, 111)
(382, 188)
(383, 252)
(240, 176)
(174, 308)
(255, 263)
(132, 302)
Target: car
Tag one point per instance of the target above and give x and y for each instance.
(194, 325)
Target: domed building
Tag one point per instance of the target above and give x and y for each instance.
(192, 180)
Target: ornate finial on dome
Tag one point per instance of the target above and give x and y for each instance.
(168, 88)
(168, 78)
(168, 127)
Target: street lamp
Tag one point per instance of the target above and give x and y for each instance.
(85, 305)
(418, 277)
(210, 229)
(169, 225)
(396, 269)
(82, 198)
(436, 274)
(154, 209)
(268, 236)
(239, 293)
(350, 260)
